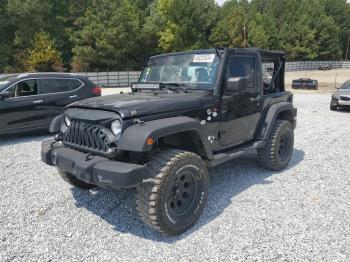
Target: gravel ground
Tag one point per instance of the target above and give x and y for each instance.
(302, 213)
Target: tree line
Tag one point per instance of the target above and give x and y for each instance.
(88, 35)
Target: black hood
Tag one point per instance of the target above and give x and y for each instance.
(143, 103)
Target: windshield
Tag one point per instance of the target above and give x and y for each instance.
(197, 71)
(346, 85)
(4, 80)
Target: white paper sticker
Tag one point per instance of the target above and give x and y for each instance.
(204, 58)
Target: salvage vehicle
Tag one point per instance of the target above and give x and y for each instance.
(325, 67)
(341, 97)
(305, 83)
(29, 102)
(189, 111)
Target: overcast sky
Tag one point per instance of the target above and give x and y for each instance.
(220, 2)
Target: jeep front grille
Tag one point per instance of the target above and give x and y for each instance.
(87, 136)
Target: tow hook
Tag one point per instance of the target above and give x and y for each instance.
(89, 157)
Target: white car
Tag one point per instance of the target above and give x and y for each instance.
(341, 97)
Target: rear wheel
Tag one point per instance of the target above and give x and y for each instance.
(176, 194)
(74, 181)
(277, 152)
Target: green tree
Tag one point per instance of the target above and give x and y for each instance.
(43, 56)
(339, 10)
(6, 39)
(184, 24)
(229, 31)
(107, 35)
(327, 36)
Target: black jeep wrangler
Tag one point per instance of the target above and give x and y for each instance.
(188, 111)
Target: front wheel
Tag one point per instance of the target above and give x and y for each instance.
(176, 193)
(277, 152)
(334, 104)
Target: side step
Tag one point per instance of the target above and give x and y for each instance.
(234, 153)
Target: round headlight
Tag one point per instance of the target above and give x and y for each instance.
(116, 127)
(67, 121)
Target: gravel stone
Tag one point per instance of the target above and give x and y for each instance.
(301, 213)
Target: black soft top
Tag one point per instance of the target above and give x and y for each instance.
(263, 52)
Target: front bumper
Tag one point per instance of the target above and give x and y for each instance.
(96, 170)
(343, 103)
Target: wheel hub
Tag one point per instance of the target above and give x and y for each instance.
(283, 147)
(182, 192)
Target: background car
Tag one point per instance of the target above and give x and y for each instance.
(29, 102)
(305, 83)
(341, 97)
(325, 67)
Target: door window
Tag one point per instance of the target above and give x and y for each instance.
(241, 66)
(74, 84)
(48, 86)
(24, 88)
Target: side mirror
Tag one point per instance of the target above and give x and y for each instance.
(236, 84)
(337, 87)
(4, 95)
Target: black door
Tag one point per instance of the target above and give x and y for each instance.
(241, 111)
(23, 110)
(58, 93)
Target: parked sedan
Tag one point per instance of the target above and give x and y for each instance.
(29, 102)
(341, 97)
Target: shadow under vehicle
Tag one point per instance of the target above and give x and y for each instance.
(188, 112)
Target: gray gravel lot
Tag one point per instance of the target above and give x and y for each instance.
(302, 213)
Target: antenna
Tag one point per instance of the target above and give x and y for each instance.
(244, 36)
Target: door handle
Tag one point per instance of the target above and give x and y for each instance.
(73, 96)
(255, 99)
(38, 102)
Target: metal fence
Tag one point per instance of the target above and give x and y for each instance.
(309, 65)
(125, 78)
(314, 65)
(113, 79)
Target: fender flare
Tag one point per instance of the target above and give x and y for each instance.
(55, 126)
(271, 118)
(134, 137)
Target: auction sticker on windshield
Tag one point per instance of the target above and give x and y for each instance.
(204, 58)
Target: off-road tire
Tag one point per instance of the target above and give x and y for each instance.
(277, 152)
(155, 198)
(74, 181)
(333, 107)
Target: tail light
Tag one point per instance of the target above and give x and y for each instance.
(96, 91)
